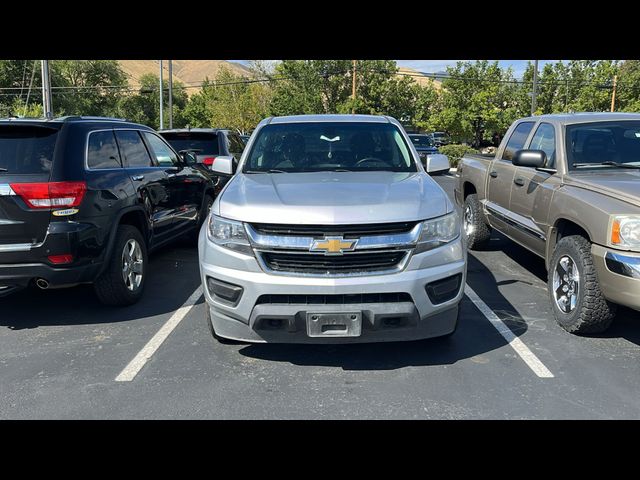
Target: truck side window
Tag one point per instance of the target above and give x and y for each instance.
(517, 139)
(545, 139)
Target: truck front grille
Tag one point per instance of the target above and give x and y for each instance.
(351, 263)
(347, 231)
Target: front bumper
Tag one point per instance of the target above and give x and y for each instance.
(415, 317)
(618, 275)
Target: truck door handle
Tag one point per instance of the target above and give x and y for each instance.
(519, 182)
(137, 177)
(493, 174)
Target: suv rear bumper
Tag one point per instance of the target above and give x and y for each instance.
(18, 276)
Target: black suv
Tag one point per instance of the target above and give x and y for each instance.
(83, 199)
(207, 143)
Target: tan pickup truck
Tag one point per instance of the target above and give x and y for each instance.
(567, 188)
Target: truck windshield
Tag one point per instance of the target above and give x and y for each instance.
(603, 145)
(329, 146)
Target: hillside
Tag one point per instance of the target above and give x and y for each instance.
(189, 72)
(419, 78)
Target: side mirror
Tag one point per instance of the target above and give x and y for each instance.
(189, 157)
(224, 165)
(437, 163)
(529, 158)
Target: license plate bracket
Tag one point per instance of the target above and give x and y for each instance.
(343, 324)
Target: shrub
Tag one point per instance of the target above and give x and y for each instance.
(455, 153)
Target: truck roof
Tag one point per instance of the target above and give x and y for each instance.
(584, 117)
(330, 118)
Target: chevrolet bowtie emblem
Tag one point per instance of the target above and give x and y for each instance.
(333, 245)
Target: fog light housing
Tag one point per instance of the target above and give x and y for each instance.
(224, 292)
(444, 290)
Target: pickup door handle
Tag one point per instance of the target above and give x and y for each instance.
(519, 182)
(493, 174)
(137, 177)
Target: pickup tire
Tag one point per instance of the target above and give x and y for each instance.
(475, 228)
(576, 299)
(112, 288)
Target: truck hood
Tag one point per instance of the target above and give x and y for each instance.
(623, 185)
(332, 198)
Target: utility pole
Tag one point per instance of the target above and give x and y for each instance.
(46, 89)
(535, 88)
(613, 94)
(161, 102)
(170, 93)
(353, 89)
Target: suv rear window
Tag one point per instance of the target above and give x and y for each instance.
(26, 149)
(205, 141)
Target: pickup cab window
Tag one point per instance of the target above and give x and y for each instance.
(545, 139)
(517, 139)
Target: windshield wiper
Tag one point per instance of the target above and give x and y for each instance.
(607, 163)
(271, 170)
(3, 170)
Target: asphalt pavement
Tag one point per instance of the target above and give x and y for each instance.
(61, 353)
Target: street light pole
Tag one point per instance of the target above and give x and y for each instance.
(613, 94)
(161, 102)
(46, 89)
(535, 88)
(170, 93)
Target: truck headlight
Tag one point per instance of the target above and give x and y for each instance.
(229, 234)
(438, 231)
(625, 231)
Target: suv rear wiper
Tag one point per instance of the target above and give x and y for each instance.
(608, 163)
(3, 170)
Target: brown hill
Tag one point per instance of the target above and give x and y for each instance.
(419, 78)
(189, 72)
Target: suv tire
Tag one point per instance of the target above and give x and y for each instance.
(122, 283)
(576, 299)
(475, 228)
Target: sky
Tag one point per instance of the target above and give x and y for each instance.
(433, 66)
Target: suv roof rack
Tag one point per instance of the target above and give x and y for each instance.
(90, 117)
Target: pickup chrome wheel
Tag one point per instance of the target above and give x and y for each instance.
(566, 284)
(578, 304)
(475, 228)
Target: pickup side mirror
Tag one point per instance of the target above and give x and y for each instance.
(437, 163)
(224, 165)
(529, 158)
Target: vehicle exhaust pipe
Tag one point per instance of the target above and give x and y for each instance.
(42, 283)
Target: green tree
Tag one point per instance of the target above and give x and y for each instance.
(144, 105)
(628, 89)
(230, 101)
(16, 75)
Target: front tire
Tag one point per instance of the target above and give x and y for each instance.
(122, 283)
(578, 303)
(475, 228)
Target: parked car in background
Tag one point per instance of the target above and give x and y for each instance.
(433, 161)
(245, 138)
(440, 138)
(567, 188)
(84, 199)
(331, 231)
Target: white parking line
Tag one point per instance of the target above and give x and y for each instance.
(143, 356)
(518, 345)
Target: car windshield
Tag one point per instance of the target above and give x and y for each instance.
(603, 145)
(329, 146)
(421, 140)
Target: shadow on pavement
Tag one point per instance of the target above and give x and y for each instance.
(173, 275)
(474, 338)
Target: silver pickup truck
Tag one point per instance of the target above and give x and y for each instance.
(567, 188)
(331, 231)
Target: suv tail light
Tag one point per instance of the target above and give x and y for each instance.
(51, 194)
(208, 161)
